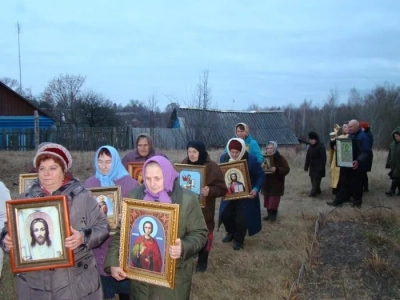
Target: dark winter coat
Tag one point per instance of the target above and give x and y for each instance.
(370, 137)
(250, 207)
(362, 150)
(192, 231)
(316, 160)
(393, 159)
(216, 182)
(81, 281)
(274, 184)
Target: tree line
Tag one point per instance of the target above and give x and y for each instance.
(69, 101)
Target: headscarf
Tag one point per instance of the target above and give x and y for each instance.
(275, 144)
(313, 135)
(117, 169)
(169, 175)
(149, 140)
(364, 125)
(199, 146)
(246, 128)
(242, 150)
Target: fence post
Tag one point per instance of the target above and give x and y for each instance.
(36, 129)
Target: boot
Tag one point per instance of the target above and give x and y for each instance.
(389, 193)
(274, 212)
(202, 261)
(392, 190)
(228, 238)
(268, 216)
(124, 297)
(237, 245)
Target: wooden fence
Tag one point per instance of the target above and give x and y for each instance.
(90, 139)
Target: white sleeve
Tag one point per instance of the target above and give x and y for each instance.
(4, 196)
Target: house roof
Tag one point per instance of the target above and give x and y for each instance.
(24, 122)
(34, 107)
(216, 127)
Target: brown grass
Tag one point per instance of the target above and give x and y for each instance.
(271, 260)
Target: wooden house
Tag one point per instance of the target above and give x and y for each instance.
(17, 121)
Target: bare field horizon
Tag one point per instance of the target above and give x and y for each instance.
(269, 263)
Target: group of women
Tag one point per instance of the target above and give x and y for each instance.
(97, 253)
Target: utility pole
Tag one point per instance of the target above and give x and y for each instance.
(233, 104)
(19, 57)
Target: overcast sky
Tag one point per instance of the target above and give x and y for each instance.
(262, 52)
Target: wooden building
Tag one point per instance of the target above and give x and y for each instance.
(17, 121)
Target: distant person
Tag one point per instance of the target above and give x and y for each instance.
(242, 215)
(214, 187)
(109, 171)
(4, 196)
(242, 131)
(335, 170)
(365, 127)
(143, 151)
(393, 162)
(315, 163)
(351, 178)
(274, 184)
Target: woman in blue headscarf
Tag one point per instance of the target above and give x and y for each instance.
(110, 172)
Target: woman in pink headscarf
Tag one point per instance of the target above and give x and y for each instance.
(161, 185)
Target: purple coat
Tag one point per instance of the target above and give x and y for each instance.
(127, 184)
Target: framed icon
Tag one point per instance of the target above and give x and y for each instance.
(237, 179)
(135, 169)
(109, 199)
(344, 153)
(268, 163)
(193, 178)
(26, 181)
(38, 228)
(147, 231)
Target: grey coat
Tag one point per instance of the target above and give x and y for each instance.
(81, 281)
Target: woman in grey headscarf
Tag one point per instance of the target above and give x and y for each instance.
(274, 185)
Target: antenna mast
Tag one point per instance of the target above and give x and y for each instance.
(19, 57)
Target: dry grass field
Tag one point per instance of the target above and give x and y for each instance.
(355, 256)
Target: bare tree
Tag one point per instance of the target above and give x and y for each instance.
(11, 83)
(202, 98)
(95, 111)
(331, 104)
(64, 93)
(152, 107)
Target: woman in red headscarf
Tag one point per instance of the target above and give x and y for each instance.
(242, 215)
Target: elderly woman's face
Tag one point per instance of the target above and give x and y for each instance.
(193, 154)
(270, 149)
(154, 178)
(104, 162)
(51, 175)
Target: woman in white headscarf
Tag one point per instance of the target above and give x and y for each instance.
(274, 185)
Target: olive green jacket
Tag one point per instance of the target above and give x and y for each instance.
(192, 231)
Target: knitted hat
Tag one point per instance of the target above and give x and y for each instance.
(364, 125)
(55, 150)
(234, 144)
(313, 135)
